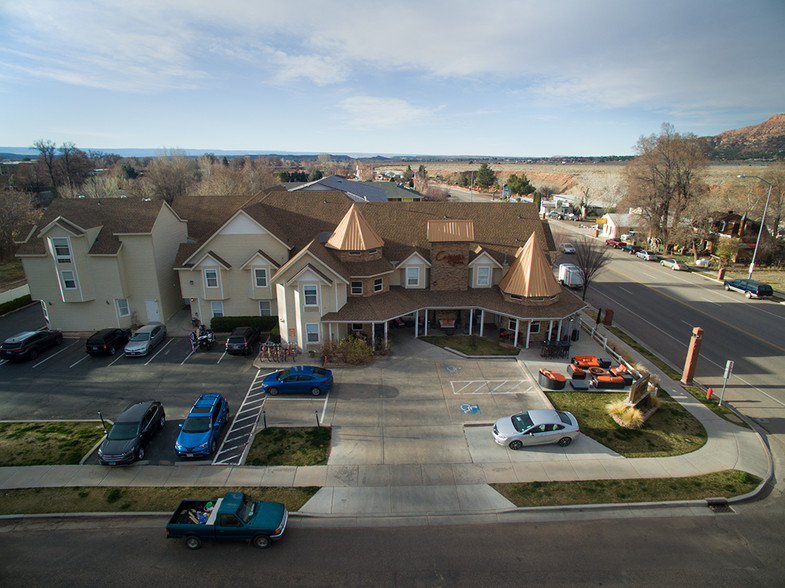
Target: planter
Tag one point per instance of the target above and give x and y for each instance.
(552, 380)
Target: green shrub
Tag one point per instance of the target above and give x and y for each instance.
(14, 304)
(349, 350)
(224, 324)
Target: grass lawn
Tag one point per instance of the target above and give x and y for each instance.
(669, 431)
(136, 499)
(727, 483)
(50, 443)
(472, 345)
(294, 446)
(11, 274)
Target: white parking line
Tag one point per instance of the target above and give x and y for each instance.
(78, 362)
(160, 350)
(121, 356)
(187, 356)
(56, 354)
(491, 387)
(222, 356)
(326, 398)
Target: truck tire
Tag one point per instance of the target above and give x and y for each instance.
(193, 542)
(262, 541)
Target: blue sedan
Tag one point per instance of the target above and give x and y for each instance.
(299, 379)
(202, 427)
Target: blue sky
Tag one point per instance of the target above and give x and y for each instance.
(453, 77)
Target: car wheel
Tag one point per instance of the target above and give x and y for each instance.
(140, 454)
(516, 444)
(33, 354)
(565, 441)
(747, 295)
(213, 446)
(193, 542)
(727, 288)
(112, 351)
(315, 391)
(272, 391)
(262, 541)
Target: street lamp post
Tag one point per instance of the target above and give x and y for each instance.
(762, 222)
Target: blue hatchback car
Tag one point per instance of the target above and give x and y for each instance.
(299, 379)
(202, 427)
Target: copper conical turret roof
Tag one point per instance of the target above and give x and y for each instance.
(354, 233)
(530, 274)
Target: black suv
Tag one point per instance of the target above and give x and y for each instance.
(107, 341)
(241, 341)
(28, 344)
(131, 432)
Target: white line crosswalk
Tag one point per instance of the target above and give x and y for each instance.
(239, 435)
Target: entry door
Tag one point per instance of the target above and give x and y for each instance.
(152, 311)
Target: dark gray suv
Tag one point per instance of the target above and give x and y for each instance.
(132, 430)
(242, 340)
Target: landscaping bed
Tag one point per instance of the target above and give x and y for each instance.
(292, 446)
(727, 483)
(47, 443)
(671, 430)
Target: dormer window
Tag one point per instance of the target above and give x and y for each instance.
(211, 278)
(61, 250)
(357, 288)
(412, 277)
(260, 277)
(483, 276)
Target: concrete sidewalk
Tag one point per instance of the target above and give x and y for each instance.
(443, 479)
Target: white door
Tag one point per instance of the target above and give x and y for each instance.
(153, 315)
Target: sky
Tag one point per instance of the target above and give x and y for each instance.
(511, 78)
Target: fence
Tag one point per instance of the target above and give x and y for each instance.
(593, 330)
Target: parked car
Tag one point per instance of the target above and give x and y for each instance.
(631, 236)
(631, 249)
(555, 215)
(235, 517)
(29, 344)
(145, 340)
(107, 341)
(566, 248)
(614, 242)
(241, 341)
(750, 288)
(647, 255)
(675, 264)
(300, 378)
(202, 427)
(536, 427)
(131, 432)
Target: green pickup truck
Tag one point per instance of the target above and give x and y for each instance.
(235, 517)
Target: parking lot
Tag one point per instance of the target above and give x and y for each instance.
(412, 407)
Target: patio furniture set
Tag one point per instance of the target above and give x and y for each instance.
(587, 372)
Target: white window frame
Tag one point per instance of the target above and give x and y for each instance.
(260, 275)
(312, 334)
(306, 289)
(65, 280)
(378, 285)
(121, 310)
(61, 257)
(409, 283)
(207, 273)
(479, 280)
(356, 291)
(269, 308)
(217, 305)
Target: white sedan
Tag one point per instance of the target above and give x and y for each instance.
(647, 255)
(675, 264)
(567, 248)
(536, 427)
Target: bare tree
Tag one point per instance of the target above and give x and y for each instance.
(46, 154)
(170, 174)
(590, 257)
(16, 213)
(665, 176)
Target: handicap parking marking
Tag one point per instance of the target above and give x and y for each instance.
(470, 409)
(492, 387)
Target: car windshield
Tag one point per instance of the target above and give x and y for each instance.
(283, 374)
(245, 510)
(123, 431)
(522, 421)
(196, 424)
(141, 337)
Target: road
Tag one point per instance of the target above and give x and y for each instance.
(711, 550)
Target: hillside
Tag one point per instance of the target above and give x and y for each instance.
(763, 141)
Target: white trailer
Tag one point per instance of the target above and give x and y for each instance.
(570, 275)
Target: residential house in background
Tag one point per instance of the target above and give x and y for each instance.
(103, 263)
(614, 225)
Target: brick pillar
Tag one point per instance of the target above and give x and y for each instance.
(692, 355)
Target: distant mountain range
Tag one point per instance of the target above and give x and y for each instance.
(763, 141)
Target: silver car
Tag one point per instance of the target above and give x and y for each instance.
(536, 427)
(675, 264)
(145, 340)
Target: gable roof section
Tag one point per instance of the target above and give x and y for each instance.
(257, 255)
(306, 268)
(354, 233)
(317, 251)
(212, 254)
(530, 275)
(114, 216)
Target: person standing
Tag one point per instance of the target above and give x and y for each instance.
(194, 340)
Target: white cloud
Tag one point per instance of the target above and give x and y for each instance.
(370, 113)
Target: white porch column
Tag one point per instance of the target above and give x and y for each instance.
(426, 322)
(482, 321)
(373, 334)
(330, 330)
(517, 326)
(550, 328)
(558, 331)
(528, 332)
(416, 324)
(471, 320)
(386, 327)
